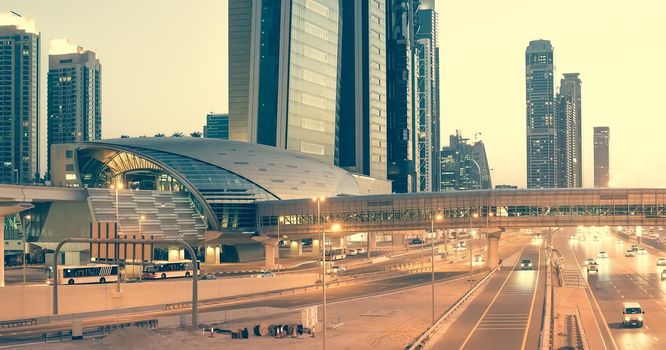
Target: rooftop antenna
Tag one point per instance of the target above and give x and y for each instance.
(15, 14)
(476, 134)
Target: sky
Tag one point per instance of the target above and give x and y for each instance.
(165, 67)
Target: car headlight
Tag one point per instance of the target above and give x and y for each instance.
(626, 318)
(640, 318)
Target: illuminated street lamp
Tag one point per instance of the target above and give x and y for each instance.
(26, 217)
(117, 186)
(475, 215)
(323, 264)
(438, 217)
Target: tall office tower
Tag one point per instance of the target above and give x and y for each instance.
(74, 94)
(570, 85)
(464, 166)
(217, 126)
(362, 124)
(400, 85)
(601, 156)
(284, 70)
(542, 158)
(19, 99)
(427, 97)
(566, 141)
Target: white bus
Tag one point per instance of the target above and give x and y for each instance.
(167, 269)
(92, 273)
(333, 254)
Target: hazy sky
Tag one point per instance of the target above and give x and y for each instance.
(165, 66)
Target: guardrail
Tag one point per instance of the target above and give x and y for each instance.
(420, 342)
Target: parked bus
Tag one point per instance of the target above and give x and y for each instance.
(167, 269)
(92, 273)
(333, 254)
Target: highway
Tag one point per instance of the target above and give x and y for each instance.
(622, 279)
(506, 312)
(396, 282)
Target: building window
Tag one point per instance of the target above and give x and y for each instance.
(312, 148)
(69, 154)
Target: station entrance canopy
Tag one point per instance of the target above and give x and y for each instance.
(491, 208)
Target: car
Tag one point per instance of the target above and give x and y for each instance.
(629, 253)
(337, 269)
(589, 261)
(351, 252)
(592, 268)
(573, 237)
(265, 274)
(361, 251)
(663, 275)
(632, 314)
(661, 261)
(416, 241)
(634, 247)
(526, 264)
(654, 235)
(478, 258)
(602, 255)
(641, 251)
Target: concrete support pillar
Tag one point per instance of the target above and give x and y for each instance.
(269, 255)
(493, 250)
(343, 242)
(372, 240)
(212, 254)
(295, 248)
(398, 240)
(174, 253)
(315, 248)
(2, 251)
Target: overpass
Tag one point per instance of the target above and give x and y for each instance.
(522, 208)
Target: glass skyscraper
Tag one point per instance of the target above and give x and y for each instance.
(601, 156)
(542, 158)
(570, 131)
(464, 166)
(362, 124)
(74, 93)
(19, 99)
(284, 74)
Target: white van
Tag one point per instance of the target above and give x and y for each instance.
(632, 314)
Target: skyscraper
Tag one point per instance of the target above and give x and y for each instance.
(362, 123)
(427, 97)
(401, 132)
(542, 159)
(464, 166)
(19, 99)
(284, 74)
(566, 141)
(570, 86)
(74, 93)
(601, 156)
(217, 126)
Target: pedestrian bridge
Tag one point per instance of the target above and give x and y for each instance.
(482, 208)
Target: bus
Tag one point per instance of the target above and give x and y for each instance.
(91, 273)
(167, 269)
(333, 254)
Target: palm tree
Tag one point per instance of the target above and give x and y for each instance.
(177, 134)
(159, 135)
(196, 134)
(124, 136)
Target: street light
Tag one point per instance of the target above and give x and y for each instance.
(280, 219)
(323, 264)
(26, 217)
(475, 215)
(117, 186)
(438, 217)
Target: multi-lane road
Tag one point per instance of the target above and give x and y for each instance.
(620, 279)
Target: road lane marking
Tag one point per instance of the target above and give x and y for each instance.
(520, 254)
(536, 286)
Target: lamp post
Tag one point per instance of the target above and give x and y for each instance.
(323, 265)
(280, 218)
(141, 218)
(475, 215)
(26, 217)
(117, 186)
(438, 217)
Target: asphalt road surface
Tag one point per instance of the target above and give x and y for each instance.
(507, 312)
(622, 279)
